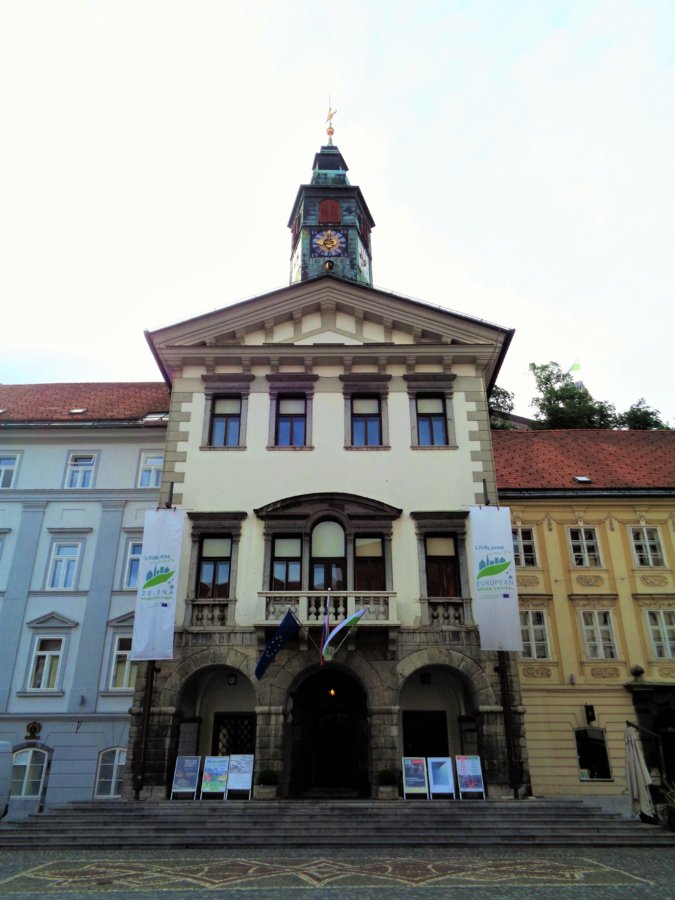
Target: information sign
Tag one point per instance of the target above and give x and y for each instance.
(214, 779)
(240, 776)
(415, 776)
(469, 775)
(441, 780)
(186, 775)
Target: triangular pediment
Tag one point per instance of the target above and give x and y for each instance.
(52, 620)
(127, 620)
(325, 313)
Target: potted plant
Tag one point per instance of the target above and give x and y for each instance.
(387, 785)
(266, 785)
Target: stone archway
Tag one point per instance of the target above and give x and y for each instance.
(326, 736)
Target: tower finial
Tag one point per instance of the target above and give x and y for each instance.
(330, 131)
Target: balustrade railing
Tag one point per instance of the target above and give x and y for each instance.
(310, 606)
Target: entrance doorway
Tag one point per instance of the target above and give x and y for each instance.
(328, 737)
(233, 733)
(437, 714)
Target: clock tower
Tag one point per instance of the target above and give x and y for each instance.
(330, 223)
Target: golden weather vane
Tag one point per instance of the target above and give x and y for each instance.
(330, 131)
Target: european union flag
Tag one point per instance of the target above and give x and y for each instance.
(288, 628)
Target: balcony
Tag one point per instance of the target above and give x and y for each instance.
(309, 607)
(446, 612)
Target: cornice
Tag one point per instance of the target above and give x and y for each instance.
(40, 497)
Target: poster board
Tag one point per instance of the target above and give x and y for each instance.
(214, 777)
(441, 778)
(240, 776)
(186, 775)
(415, 780)
(469, 775)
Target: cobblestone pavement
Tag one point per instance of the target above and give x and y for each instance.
(347, 875)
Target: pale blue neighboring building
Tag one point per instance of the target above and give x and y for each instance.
(79, 466)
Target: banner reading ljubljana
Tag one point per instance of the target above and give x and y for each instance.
(493, 578)
(157, 585)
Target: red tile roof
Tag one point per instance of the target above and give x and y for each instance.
(103, 401)
(549, 460)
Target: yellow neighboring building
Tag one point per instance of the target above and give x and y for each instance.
(593, 516)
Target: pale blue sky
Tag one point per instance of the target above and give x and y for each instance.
(517, 158)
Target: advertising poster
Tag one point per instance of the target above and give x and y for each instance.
(186, 775)
(240, 777)
(469, 775)
(214, 779)
(441, 779)
(415, 775)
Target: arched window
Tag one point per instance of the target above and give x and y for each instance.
(329, 565)
(28, 772)
(110, 769)
(329, 212)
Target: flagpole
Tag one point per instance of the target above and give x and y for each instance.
(142, 740)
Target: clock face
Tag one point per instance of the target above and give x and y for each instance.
(329, 242)
(363, 259)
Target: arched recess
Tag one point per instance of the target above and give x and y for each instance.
(215, 713)
(437, 713)
(326, 736)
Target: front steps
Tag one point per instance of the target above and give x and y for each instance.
(316, 824)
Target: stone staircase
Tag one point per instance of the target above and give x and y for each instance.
(315, 824)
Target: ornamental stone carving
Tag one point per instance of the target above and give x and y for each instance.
(667, 671)
(528, 581)
(537, 671)
(590, 580)
(654, 580)
(605, 672)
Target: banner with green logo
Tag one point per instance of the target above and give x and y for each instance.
(158, 584)
(493, 578)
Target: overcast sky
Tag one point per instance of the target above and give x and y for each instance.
(518, 159)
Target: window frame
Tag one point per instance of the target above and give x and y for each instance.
(130, 666)
(117, 765)
(286, 559)
(372, 386)
(520, 542)
(33, 663)
(12, 469)
(214, 525)
(290, 385)
(439, 524)
(528, 634)
(155, 471)
(32, 751)
(292, 419)
(427, 385)
(653, 555)
(227, 419)
(666, 633)
(129, 557)
(81, 472)
(215, 561)
(583, 542)
(223, 386)
(596, 627)
(54, 558)
(589, 730)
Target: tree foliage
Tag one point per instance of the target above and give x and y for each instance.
(500, 402)
(562, 402)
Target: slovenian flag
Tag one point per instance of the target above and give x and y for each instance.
(349, 622)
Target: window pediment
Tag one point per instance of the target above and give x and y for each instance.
(307, 505)
(52, 620)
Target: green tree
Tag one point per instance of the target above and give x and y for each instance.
(564, 403)
(640, 417)
(500, 402)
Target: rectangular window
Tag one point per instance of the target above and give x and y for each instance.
(80, 472)
(441, 567)
(63, 566)
(123, 673)
(523, 547)
(134, 551)
(225, 422)
(214, 568)
(533, 630)
(662, 630)
(8, 467)
(287, 564)
(366, 422)
(369, 574)
(291, 421)
(150, 474)
(584, 547)
(44, 672)
(647, 546)
(592, 754)
(431, 421)
(598, 635)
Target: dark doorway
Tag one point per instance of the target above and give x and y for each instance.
(328, 737)
(425, 733)
(233, 733)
